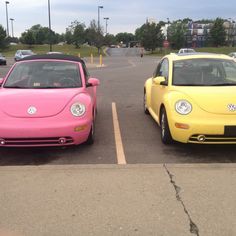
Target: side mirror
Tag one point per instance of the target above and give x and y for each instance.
(1, 81)
(93, 82)
(160, 80)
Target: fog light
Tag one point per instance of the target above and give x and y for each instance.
(62, 140)
(201, 138)
(80, 128)
(2, 141)
(181, 126)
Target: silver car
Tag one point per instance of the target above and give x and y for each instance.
(3, 60)
(186, 50)
(23, 53)
(232, 54)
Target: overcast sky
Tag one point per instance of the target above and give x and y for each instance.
(125, 15)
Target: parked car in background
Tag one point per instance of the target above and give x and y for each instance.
(47, 100)
(3, 60)
(232, 54)
(193, 98)
(186, 50)
(54, 53)
(20, 54)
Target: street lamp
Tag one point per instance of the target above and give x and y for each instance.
(11, 19)
(99, 7)
(7, 18)
(50, 31)
(106, 19)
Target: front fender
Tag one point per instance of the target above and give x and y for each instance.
(148, 90)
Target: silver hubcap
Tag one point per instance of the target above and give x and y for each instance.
(163, 125)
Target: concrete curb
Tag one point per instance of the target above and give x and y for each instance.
(116, 166)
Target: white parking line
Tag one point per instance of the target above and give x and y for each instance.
(118, 140)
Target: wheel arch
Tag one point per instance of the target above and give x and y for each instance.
(147, 90)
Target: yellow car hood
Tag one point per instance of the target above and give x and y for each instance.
(214, 99)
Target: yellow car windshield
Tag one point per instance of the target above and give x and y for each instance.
(204, 72)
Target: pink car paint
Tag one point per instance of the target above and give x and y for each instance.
(42, 117)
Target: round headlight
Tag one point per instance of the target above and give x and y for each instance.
(77, 109)
(183, 107)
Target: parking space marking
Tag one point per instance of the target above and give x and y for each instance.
(118, 140)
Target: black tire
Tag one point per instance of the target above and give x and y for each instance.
(146, 111)
(90, 139)
(166, 137)
(91, 136)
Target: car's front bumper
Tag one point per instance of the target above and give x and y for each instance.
(41, 132)
(206, 129)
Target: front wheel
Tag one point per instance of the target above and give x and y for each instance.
(165, 131)
(90, 139)
(146, 111)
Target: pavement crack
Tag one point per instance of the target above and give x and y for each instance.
(193, 227)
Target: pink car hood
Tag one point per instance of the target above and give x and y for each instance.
(43, 102)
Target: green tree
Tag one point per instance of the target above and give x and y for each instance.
(68, 36)
(150, 36)
(110, 39)
(125, 38)
(40, 36)
(218, 33)
(94, 36)
(75, 33)
(28, 38)
(176, 34)
(3, 40)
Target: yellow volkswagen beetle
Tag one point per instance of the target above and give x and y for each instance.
(193, 98)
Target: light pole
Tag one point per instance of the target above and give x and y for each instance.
(11, 19)
(106, 19)
(7, 18)
(50, 30)
(99, 7)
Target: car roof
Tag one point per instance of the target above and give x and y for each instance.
(24, 50)
(52, 57)
(186, 49)
(195, 55)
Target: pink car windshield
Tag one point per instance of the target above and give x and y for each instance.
(44, 74)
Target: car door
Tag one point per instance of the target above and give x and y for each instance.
(158, 89)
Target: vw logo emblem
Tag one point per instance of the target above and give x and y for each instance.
(231, 107)
(32, 110)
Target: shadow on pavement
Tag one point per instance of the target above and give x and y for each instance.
(37, 156)
(198, 153)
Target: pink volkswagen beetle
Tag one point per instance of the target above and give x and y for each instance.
(47, 100)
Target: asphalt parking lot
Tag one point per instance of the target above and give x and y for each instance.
(121, 94)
